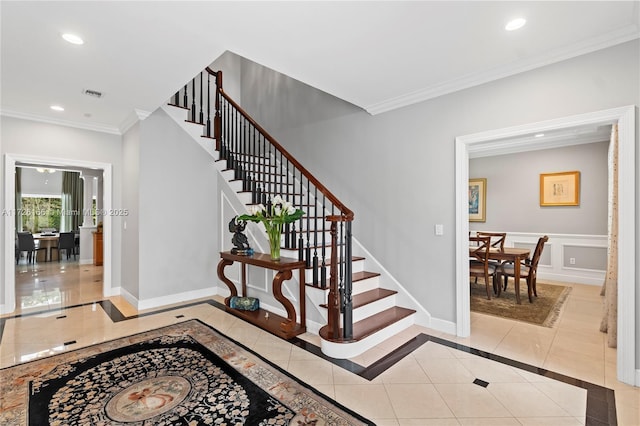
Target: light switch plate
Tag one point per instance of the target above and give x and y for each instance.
(439, 229)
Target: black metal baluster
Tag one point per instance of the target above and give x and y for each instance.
(209, 105)
(176, 99)
(185, 97)
(301, 237)
(201, 112)
(315, 237)
(340, 269)
(193, 99)
(308, 251)
(265, 176)
(323, 268)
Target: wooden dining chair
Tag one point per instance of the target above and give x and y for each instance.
(528, 269)
(497, 239)
(479, 265)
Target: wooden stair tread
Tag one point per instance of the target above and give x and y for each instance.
(371, 296)
(366, 297)
(371, 325)
(363, 275)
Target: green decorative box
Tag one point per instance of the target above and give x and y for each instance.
(244, 303)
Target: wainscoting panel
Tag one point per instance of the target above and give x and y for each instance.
(567, 257)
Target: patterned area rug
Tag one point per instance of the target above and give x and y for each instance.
(183, 374)
(544, 310)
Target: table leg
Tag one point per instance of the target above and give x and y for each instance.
(234, 292)
(303, 300)
(281, 276)
(516, 277)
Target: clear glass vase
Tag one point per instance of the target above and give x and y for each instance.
(274, 233)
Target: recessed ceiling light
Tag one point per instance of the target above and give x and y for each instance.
(72, 38)
(57, 108)
(539, 135)
(514, 24)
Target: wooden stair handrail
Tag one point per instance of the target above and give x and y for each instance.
(347, 214)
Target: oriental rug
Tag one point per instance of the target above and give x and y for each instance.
(544, 311)
(183, 374)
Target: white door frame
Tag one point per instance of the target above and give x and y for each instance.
(625, 117)
(10, 226)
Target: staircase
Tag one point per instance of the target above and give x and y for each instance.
(359, 313)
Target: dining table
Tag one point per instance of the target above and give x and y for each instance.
(509, 254)
(48, 240)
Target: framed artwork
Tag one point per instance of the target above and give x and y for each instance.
(477, 200)
(560, 189)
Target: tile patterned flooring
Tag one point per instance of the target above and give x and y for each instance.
(505, 373)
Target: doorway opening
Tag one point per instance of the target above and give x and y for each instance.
(503, 139)
(103, 169)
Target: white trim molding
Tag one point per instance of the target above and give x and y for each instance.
(10, 161)
(625, 117)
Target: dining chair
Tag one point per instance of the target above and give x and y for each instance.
(528, 269)
(28, 244)
(497, 239)
(496, 243)
(479, 265)
(67, 242)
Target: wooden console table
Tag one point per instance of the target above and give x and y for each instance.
(284, 327)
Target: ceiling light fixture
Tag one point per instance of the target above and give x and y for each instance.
(539, 135)
(72, 38)
(57, 108)
(515, 24)
(43, 170)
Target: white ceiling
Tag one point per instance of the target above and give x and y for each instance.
(377, 55)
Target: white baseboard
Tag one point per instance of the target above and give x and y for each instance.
(157, 302)
(448, 327)
(86, 261)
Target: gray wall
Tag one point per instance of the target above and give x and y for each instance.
(177, 206)
(131, 201)
(513, 190)
(34, 182)
(37, 139)
(396, 170)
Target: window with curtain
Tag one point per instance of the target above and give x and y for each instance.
(72, 194)
(18, 206)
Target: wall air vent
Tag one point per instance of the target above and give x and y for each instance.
(93, 93)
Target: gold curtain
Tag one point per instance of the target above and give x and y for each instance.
(609, 322)
(72, 197)
(18, 209)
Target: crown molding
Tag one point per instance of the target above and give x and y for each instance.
(622, 35)
(133, 117)
(49, 120)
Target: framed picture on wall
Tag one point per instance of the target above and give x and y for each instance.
(560, 189)
(477, 200)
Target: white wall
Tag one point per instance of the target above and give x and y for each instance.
(396, 170)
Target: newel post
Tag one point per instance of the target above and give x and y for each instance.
(333, 320)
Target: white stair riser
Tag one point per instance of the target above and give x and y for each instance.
(373, 308)
(366, 285)
(350, 350)
(358, 266)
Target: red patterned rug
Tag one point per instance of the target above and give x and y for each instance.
(183, 374)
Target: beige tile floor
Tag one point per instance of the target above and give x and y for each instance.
(430, 386)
